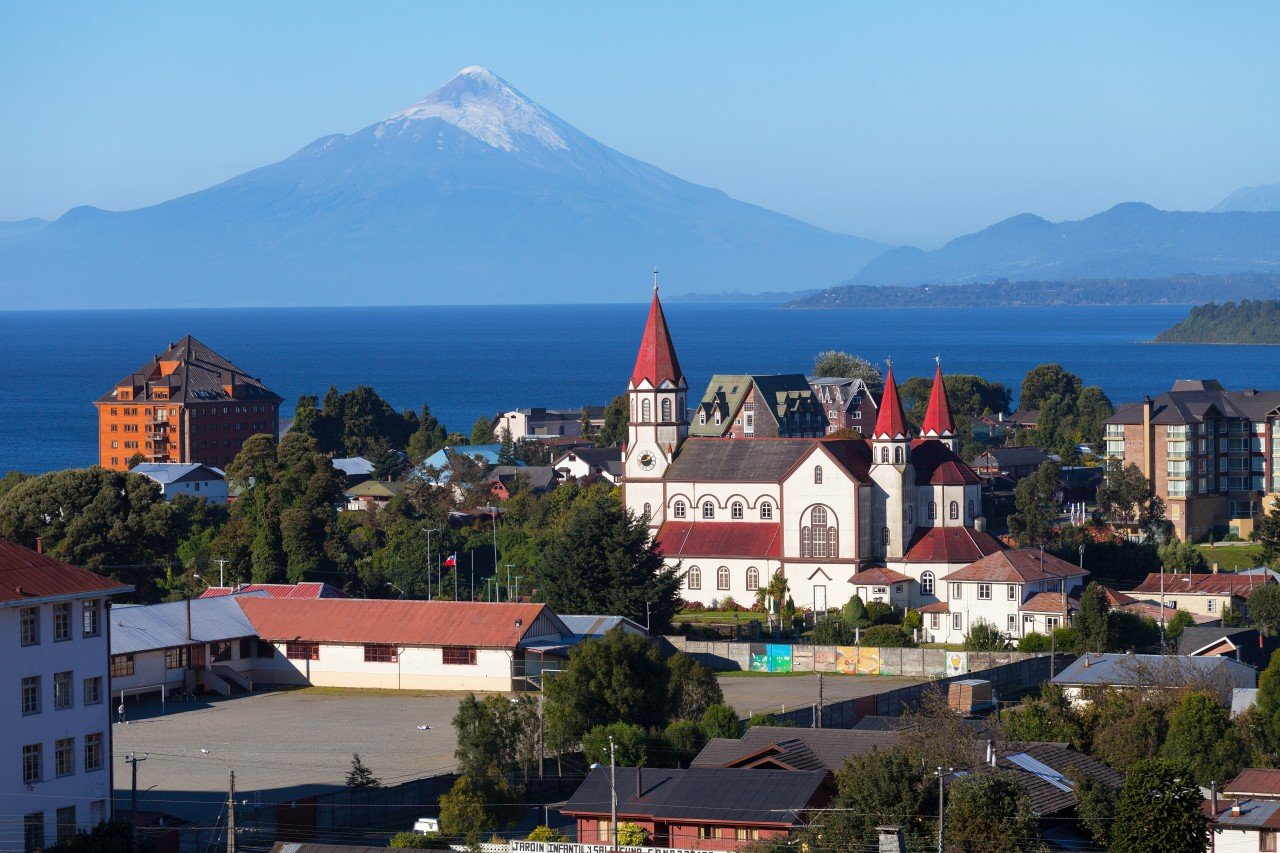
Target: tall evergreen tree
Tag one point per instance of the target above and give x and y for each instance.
(1093, 620)
(1159, 811)
(1036, 511)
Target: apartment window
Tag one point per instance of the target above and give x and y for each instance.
(66, 823)
(984, 592)
(708, 509)
(956, 592)
(62, 690)
(30, 626)
(766, 511)
(1212, 605)
(92, 690)
(302, 651)
(935, 621)
(64, 756)
(31, 695)
(1013, 592)
(33, 832)
(175, 658)
(926, 583)
(735, 510)
(1267, 840)
(678, 510)
(694, 579)
(459, 655)
(1052, 622)
(93, 751)
(121, 666)
(90, 620)
(722, 577)
(957, 621)
(753, 578)
(32, 762)
(379, 653)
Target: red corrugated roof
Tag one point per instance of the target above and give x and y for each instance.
(1226, 583)
(890, 421)
(656, 360)
(745, 539)
(935, 607)
(950, 545)
(1021, 565)
(26, 575)
(396, 622)
(1254, 782)
(878, 575)
(937, 419)
(280, 590)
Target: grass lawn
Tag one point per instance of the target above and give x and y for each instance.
(1233, 557)
(720, 616)
(746, 673)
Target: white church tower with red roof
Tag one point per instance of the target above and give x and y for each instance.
(893, 503)
(658, 423)
(938, 422)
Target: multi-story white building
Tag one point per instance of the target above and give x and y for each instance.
(55, 714)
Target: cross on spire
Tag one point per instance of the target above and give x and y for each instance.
(655, 279)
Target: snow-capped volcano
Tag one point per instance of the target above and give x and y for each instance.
(489, 108)
(473, 194)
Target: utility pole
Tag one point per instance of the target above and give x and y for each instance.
(542, 734)
(613, 796)
(939, 810)
(133, 759)
(493, 518)
(222, 565)
(820, 701)
(647, 632)
(510, 566)
(473, 574)
(231, 814)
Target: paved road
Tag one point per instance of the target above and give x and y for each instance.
(750, 694)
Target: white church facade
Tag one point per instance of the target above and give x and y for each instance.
(887, 518)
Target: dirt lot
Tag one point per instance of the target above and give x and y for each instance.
(749, 694)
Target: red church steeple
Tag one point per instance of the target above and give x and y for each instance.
(891, 423)
(938, 422)
(656, 360)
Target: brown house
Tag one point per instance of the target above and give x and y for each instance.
(744, 406)
(188, 404)
(848, 403)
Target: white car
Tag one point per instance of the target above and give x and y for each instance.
(423, 825)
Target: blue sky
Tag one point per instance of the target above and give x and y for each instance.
(909, 123)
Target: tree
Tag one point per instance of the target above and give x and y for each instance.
(628, 745)
(1268, 534)
(683, 740)
(878, 788)
(1125, 728)
(1159, 811)
(473, 806)
(507, 448)
(1181, 557)
(1036, 508)
(495, 736)
(354, 422)
(482, 432)
(1264, 609)
(361, 776)
(614, 431)
(1096, 807)
(1266, 712)
(1201, 738)
(1093, 620)
(417, 841)
(305, 414)
(692, 688)
(1178, 622)
(989, 812)
(834, 363)
(1045, 380)
(110, 836)
(1047, 718)
(1127, 497)
(854, 613)
(600, 559)
(546, 833)
(984, 637)
(969, 396)
(428, 438)
(387, 463)
(832, 631)
(586, 429)
(1093, 407)
(721, 721)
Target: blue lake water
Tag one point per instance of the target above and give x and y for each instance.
(473, 361)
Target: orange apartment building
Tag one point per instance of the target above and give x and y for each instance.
(188, 404)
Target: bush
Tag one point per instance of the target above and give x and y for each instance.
(855, 613)
(632, 834)
(692, 606)
(543, 833)
(880, 613)
(628, 744)
(912, 621)
(984, 637)
(766, 719)
(729, 605)
(684, 738)
(1034, 643)
(415, 841)
(888, 637)
(721, 721)
(832, 631)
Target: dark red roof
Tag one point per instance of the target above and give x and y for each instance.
(1049, 602)
(938, 465)
(937, 419)
(280, 590)
(745, 539)
(392, 621)
(26, 575)
(1225, 583)
(878, 575)
(1254, 782)
(1020, 565)
(934, 607)
(890, 422)
(853, 454)
(950, 545)
(656, 360)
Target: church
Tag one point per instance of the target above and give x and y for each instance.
(888, 517)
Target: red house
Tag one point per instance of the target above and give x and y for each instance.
(699, 808)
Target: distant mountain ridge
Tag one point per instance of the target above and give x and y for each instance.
(1131, 240)
(474, 194)
(1260, 199)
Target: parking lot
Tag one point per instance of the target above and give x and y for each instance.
(280, 744)
(749, 694)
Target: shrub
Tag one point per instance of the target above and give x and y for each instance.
(880, 613)
(912, 621)
(729, 605)
(766, 719)
(832, 631)
(721, 721)
(415, 841)
(1034, 643)
(632, 834)
(984, 637)
(543, 833)
(684, 738)
(887, 637)
(692, 606)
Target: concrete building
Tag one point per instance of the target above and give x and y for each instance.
(540, 422)
(1211, 453)
(186, 478)
(55, 718)
(188, 404)
(1200, 594)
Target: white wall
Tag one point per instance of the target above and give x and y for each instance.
(1235, 841)
(214, 491)
(418, 668)
(85, 657)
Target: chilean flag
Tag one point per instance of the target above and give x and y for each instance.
(452, 561)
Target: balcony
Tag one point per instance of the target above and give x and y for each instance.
(158, 436)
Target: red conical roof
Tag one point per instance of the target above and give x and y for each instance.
(656, 360)
(937, 420)
(890, 422)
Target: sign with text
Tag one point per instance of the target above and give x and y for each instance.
(566, 847)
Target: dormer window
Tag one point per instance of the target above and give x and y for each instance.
(702, 417)
(718, 417)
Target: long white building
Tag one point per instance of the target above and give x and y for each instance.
(55, 715)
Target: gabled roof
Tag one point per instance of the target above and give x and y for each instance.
(1205, 583)
(1020, 565)
(400, 622)
(1254, 782)
(1192, 401)
(878, 575)
(759, 460)
(28, 577)
(950, 545)
(178, 472)
(741, 539)
(1014, 456)
(937, 418)
(656, 361)
(741, 796)
(1049, 602)
(765, 747)
(1044, 771)
(147, 627)
(306, 589)
(604, 458)
(891, 422)
(939, 465)
(726, 392)
(1154, 671)
(540, 477)
(374, 489)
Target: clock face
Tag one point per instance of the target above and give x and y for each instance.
(647, 461)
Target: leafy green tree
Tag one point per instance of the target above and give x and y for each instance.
(1036, 508)
(417, 841)
(984, 637)
(1159, 811)
(632, 834)
(881, 787)
(1131, 631)
(854, 613)
(969, 396)
(387, 463)
(832, 631)
(1055, 426)
(629, 744)
(1044, 381)
(1096, 808)
(989, 812)
(882, 613)
(1034, 643)
(546, 833)
(360, 776)
(586, 429)
(429, 437)
(1093, 620)
(692, 688)
(721, 721)
(600, 559)
(1264, 608)
(763, 718)
(1093, 407)
(617, 678)
(1182, 557)
(354, 422)
(1176, 624)
(1268, 535)
(1129, 498)
(1125, 728)
(683, 739)
(1266, 712)
(1047, 718)
(474, 806)
(305, 414)
(482, 432)
(1200, 737)
(616, 418)
(507, 448)
(495, 735)
(834, 363)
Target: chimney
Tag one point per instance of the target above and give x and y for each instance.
(980, 524)
(1213, 797)
(891, 840)
(1235, 809)
(39, 544)
(991, 753)
(1215, 568)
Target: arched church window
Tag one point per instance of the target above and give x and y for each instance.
(722, 577)
(817, 475)
(884, 536)
(753, 578)
(646, 410)
(926, 583)
(766, 511)
(933, 510)
(666, 410)
(897, 456)
(911, 514)
(971, 515)
(884, 455)
(955, 510)
(648, 510)
(677, 510)
(735, 510)
(819, 516)
(694, 579)
(708, 509)
(833, 543)
(806, 542)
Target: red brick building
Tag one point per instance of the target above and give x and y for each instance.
(188, 404)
